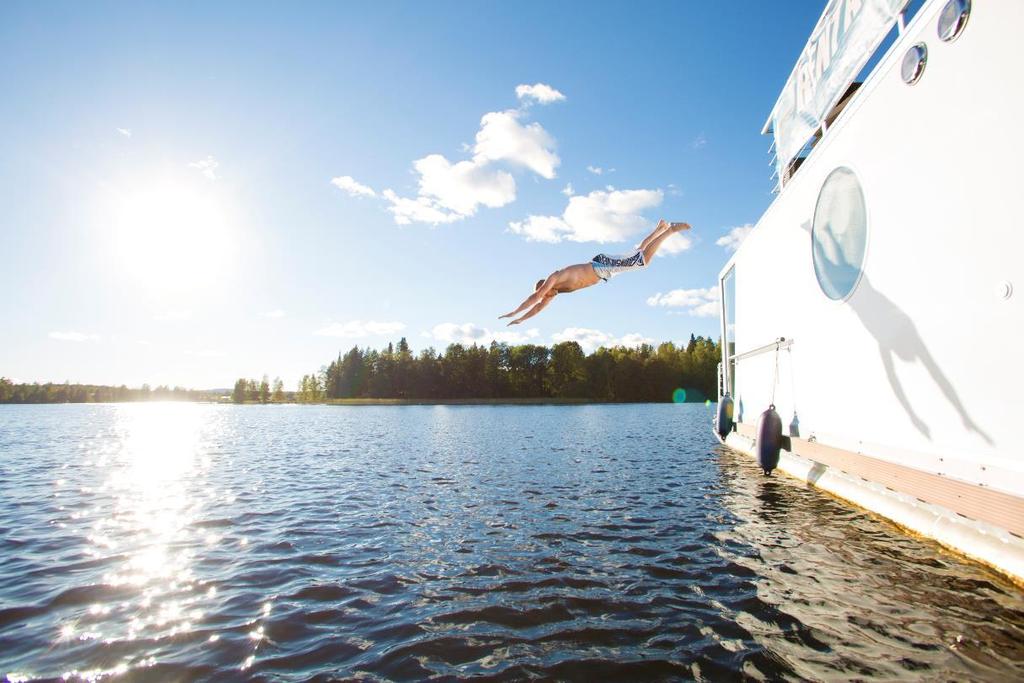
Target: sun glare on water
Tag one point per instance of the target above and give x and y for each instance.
(145, 529)
(171, 237)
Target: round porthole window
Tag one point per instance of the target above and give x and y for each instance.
(953, 19)
(839, 234)
(914, 61)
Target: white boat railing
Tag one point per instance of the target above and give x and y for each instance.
(779, 344)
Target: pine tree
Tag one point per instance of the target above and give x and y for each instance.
(238, 395)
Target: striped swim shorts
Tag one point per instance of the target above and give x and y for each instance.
(606, 266)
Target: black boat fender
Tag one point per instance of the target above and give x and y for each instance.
(768, 442)
(724, 422)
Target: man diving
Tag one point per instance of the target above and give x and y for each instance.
(600, 269)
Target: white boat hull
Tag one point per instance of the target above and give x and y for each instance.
(917, 366)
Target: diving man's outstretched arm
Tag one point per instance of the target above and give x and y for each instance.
(534, 311)
(543, 287)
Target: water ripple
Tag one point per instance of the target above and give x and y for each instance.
(500, 543)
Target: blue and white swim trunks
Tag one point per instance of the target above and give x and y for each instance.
(607, 266)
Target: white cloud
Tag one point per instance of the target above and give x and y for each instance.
(633, 340)
(347, 183)
(549, 229)
(449, 191)
(466, 333)
(276, 313)
(465, 185)
(207, 166)
(354, 329)
(734, 238)
(173, 316)
(700, 302)
(419, 210)
(601, 216)
(517, 337)
(676, 244)
(590, 339)
(568, 190)
(74, 336)
(503, 138)
(127, 132)
(596, 170)
(700, 141)
(609, 216)
(540, 92)
(469, 333)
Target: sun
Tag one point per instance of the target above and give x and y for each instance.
(171, 237)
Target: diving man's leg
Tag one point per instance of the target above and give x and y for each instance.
(653, 244)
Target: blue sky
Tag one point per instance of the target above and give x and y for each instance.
(166, 175)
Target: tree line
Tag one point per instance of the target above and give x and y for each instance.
(95, 393)
(251, 391)
(494, 372)
(526, 371)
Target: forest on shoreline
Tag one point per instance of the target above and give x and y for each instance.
(52, 392)
(494, 373)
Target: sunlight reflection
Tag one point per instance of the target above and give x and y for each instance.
(154, 486)
(159, 442)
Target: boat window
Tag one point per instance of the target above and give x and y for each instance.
(729, 328)
(811, 126)
(840, 234)
(953, 19)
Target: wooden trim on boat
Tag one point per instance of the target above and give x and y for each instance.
(970, 500)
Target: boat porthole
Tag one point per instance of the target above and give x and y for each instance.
(913, 63)
(839, 234)
(953, 19)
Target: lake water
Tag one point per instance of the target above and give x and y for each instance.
(578, 542)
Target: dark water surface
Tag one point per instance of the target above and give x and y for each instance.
(170, 542)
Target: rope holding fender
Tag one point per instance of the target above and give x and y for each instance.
(792, 377)
(775, 379)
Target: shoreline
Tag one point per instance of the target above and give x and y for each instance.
(473, 402)
(382, 402)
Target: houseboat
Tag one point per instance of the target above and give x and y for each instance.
(877, 303)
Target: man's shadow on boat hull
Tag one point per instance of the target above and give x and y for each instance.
(897, 337)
